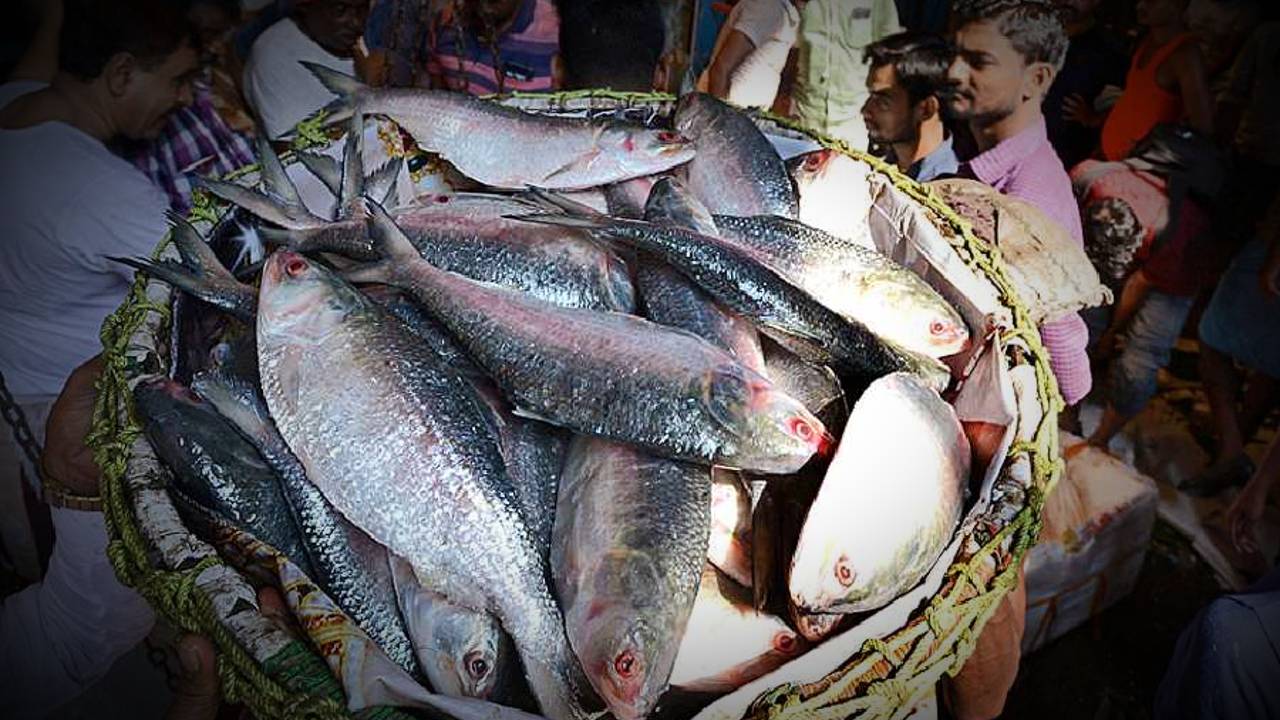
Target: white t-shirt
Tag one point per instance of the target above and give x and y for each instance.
(66, 203)
(279, 89)
(771, 26)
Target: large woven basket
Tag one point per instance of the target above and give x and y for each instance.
(881, 669)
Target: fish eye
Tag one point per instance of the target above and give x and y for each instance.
(476, 665)
(442, 199)
(625, 664)
(937, 327)
(667, 136)
(295, 267)
(801, 429)
(813, 162)
(844, 573)
(784, 642)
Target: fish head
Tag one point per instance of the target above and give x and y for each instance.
(643, 151)
(809, 167)
(629, 648)
(158, 398)
(824, 573)
(470, 655)
(905, 309)
(302, 298)
(773, 431)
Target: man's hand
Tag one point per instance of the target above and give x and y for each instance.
(66, 457)
(197, 695)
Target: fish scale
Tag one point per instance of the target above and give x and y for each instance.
(390, 436)
(629, 544)
(608, 374)
(492, 143)
(349, 566)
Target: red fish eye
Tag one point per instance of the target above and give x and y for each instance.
(801, 429)
(844, 573)
(784, 642)
(625, 664)
(442, 199)
(295, 266)
(667, 136)
(476, 665)
(937, 327)
(815, 160)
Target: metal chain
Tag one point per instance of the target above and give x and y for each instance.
(17, 421)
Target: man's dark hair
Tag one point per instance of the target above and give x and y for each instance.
(1034, 27)
(607, 43)
(93, 31)
(919, 60)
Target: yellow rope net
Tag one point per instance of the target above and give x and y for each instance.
(885, 680)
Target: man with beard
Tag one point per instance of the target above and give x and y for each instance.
(279, 89)
(903, 111)
(1007, 55)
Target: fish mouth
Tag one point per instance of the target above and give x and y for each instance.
(826, 445)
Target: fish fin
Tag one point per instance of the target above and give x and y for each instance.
(582, 163)
(727, 393)
(196, 254)
(530, 415)
(553, 201)
(389, 241)
(260, 204)
(275, 180)
(323, 167)
(236, 298)
(589, 223)
(347, 88)
(381, 183)
(350, 199)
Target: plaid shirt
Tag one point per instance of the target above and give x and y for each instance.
(195, 140)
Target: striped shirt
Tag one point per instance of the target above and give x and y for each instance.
(1026, 166)
(467, 63)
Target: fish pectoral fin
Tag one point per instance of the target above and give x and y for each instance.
(530, 415)
(582, 163)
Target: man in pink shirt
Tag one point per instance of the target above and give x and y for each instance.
(1007, 55)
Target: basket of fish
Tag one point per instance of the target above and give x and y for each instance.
(663, 410)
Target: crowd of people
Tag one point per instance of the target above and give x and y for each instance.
(1167, 173)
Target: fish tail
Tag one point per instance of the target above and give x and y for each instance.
(552, 201)
(351, 192)
(259, 204)
(325, 168)
(196, 254)
(389, 241)
(347, 88)
(381, 183)
(234, 297)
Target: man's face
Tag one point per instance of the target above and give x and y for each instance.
(151, 93)
(988, 75)
(888, 113)
(335, 24)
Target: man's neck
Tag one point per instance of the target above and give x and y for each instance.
(987, 137)
(926, 141)
(66, 100)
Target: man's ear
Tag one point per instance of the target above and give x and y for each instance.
(119, 73)
(928, 108)
(1037, 80)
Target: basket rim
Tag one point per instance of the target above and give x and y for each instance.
(936, 639)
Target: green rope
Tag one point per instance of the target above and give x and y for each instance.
(296, 682)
